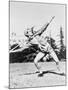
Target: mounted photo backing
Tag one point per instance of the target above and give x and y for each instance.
(37, 44)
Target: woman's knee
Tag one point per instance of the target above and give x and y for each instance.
(36, 61)
(38, 57)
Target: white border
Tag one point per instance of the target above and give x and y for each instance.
(4, 38)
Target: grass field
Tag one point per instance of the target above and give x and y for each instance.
(23, 75)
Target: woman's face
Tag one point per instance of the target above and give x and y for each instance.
(29, 32)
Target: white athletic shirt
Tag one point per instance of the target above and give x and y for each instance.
(42, 43)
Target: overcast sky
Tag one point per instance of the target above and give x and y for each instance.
(24, 15)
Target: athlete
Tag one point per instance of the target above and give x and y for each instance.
(44, 47)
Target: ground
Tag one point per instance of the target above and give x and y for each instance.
(23, 75)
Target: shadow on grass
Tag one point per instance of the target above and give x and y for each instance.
(46, 72)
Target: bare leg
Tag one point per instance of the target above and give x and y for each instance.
(37, 59)
(53, 54)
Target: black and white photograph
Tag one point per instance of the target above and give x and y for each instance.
(37, 44)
